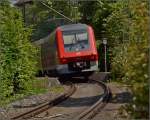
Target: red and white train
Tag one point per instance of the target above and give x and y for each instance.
(69, 50)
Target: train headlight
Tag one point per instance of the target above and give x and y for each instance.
(80, 64)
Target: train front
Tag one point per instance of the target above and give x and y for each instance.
(76, 48)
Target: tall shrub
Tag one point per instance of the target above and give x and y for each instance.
(17, 55)
(131, 52)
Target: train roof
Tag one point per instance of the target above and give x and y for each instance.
(78, 26)
(68, 27)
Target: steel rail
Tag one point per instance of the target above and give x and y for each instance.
(43, 107)
(100, 104)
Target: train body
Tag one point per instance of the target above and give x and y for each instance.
(69, 50)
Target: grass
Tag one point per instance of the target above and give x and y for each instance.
(34, 87)
(57, 89)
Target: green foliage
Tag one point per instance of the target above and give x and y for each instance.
(87, 10)
(38, 16)
(118, 23)
(17, 55)
(136, 74)
(95, 13)
(103, 10)
(119, 60)
(44, 19)
(128, 30)
(35, 86)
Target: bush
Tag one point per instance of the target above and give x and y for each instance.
(130, 51)
(17, 55)
(136, 74)
(118, 60)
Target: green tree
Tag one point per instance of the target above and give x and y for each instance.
(95, 13)
(44, 19)
(87, 10)
(128, 30)
(17, 55)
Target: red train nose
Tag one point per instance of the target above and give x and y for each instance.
(67, 52)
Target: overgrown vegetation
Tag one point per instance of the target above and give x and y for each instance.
(17, 55)
(125, 23)
(43, 18)
(128, 36)
(35, 86)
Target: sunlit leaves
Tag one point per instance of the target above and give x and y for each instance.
(130, 50)
(17, 55)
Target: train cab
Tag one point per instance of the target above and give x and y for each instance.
(76, 48)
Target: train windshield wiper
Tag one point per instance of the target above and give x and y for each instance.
(78, 41)
(72, 42)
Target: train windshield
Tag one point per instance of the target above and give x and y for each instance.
(75, 40)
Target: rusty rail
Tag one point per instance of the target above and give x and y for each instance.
(43, 107)
(99, 105)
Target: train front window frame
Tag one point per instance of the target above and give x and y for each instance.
(75, 41)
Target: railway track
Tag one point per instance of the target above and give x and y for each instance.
(46, 105)
(98, 106)
(82, 115)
